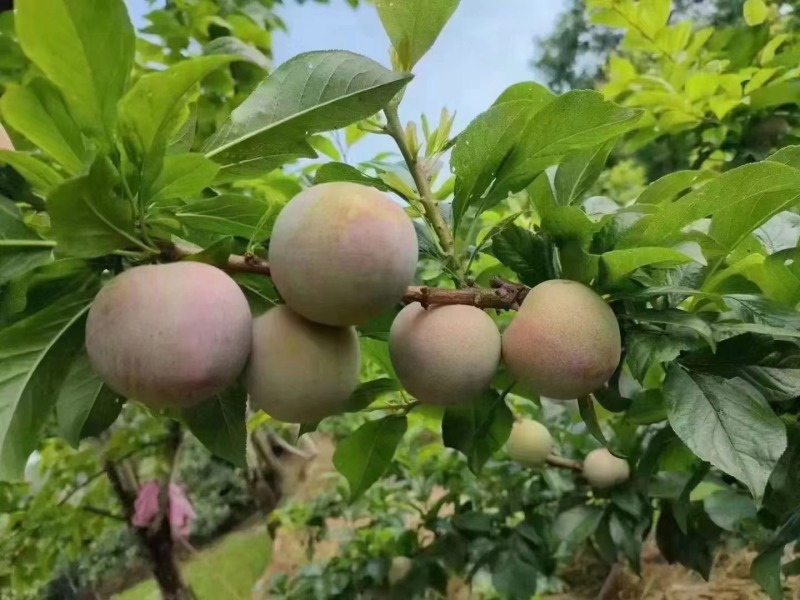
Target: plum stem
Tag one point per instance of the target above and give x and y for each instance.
(503, 295)
(395, 129)
(564, 463)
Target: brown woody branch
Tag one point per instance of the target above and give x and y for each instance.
(503, 295)
(564, 463)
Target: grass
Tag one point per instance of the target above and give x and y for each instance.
(227, 570)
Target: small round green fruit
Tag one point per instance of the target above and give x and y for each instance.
(602, 469)
(400, 568)
(530, 443)
(169, 335)
(444, 355)
(301, 371)
(342, 253)
(564, 343)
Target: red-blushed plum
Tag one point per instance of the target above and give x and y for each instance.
(169, 335)
(342, 253)
(301, 371)
(564, 342)
(446, 354)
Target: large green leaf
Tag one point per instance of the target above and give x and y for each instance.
(413, 26)
(41, 176)
(220, 424)
(726, 422)
(20, 248)
(88, 217)
(574, 121)
(35, 355)
(336, 171)
(478, 430)
(524, 252)
(483, 147)
(85, 406)
(669, 186)
(86, 48)
(230, 214)
(363, 456)
(618, 263)
(38, 112)
(150, 111)
(369, 391)
(313, 92)
(766, 568)
(182, 177)
(579, 170)
(740, 201)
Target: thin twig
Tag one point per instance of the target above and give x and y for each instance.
(395, 129)
(503, 295)
(564, 463)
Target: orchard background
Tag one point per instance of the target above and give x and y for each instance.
(657, 166)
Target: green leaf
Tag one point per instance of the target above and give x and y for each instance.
(233, 46)
(41, 176)
(618, 263)
(755, 12)
(728, 508)
(478, 430)
(741, 435)
(86, 49)
(35, 355)
(589, 416)
(336, 171)
(574, 121)
(766, 568)
(740, 201)
(413, 26)
(150, 111)
(20, 248)
(38, 112)
(230, 214)
(220, 424)
(678, 318)
(85, 406)
(364, 455)
(669, 186)
(528, 91)
(313, 92)
(523, 252)
(369, 391)
(579, 170)
(183, 177)
(693, 550)
(643, 350)
(88, 217)
(481, 150)
(216, 254)
(790, 155)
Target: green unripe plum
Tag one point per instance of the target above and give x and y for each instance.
(301, 371)
(530, 443)
(342, 253)
(602, 469)
(564, 343)
(169, 335)
(401, 566)
(444, 355)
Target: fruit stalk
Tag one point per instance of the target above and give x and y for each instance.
(503, 295)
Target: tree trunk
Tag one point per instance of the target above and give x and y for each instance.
(156, 541)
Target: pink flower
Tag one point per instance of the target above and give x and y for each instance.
(181, 512)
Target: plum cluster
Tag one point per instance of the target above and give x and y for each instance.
(341, 254)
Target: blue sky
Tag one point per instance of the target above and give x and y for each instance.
(486, 47)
